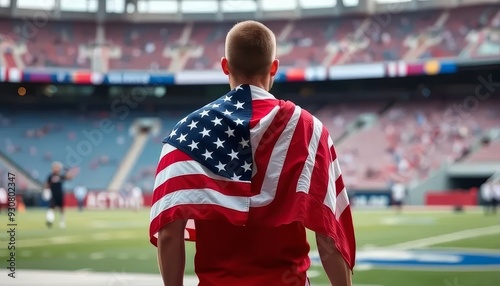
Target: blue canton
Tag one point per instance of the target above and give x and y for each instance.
(218, 135)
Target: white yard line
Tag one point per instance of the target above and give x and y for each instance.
(75, 239)
(443, 238)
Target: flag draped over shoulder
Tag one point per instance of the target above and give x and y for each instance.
(251, 159)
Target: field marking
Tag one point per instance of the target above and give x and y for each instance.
(85, 277)
(449, 237)
(469, 249)
(75, 239)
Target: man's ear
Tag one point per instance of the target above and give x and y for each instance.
(224, 65)
(274, 67)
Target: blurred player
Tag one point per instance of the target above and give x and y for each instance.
(80, 194)
(487, 197)
(136, 195)
(3, 198)
(495, 201)
(55, 184)
(398, 191)
(253, 172)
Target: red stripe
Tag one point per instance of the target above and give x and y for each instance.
(292, 167)
(339, 184)
(195, 181)
(184, 212)
(333, 153)
(171, 158)
(261, 108)
(347, 239)
(266, 146)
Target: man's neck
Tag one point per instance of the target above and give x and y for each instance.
(256, 83)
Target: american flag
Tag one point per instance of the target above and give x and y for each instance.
(252, 159)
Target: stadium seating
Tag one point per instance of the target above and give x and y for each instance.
(34, 141)
(408, 141)
(413, 139)
(144, 170)
(465, 32)
(488, 153)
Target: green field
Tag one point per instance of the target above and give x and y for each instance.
(117, 241)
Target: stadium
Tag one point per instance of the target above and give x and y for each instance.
(408, 89)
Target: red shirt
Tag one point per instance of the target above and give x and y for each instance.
(228, 255)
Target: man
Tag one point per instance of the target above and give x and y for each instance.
(487, 197)
(80, 194)
(398, 195)
(495, 200)
(251, 173)
(55, 184)
(136, 197)
(3, 199)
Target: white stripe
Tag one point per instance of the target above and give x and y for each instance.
(342, 203)
(330, 142)
(331, 194)
(167, 148)
(275, 166)
(304, 183)
(258, 131)
(260, 94)
(199, 197)
(336, 169)
(187, 168)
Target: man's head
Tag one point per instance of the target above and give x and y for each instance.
(250, 55)
(56, 167)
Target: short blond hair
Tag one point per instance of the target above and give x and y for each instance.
(250, 48)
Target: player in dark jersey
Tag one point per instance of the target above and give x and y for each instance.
(55, 184)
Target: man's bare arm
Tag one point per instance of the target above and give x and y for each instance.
(334, 264)
(171, 253)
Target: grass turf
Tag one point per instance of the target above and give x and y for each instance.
(117, 241)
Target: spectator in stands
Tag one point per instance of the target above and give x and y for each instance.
(398, 191)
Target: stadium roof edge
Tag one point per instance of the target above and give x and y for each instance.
(364, 7)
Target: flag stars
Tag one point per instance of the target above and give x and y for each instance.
(244, 143)
(193, 145)
(227, 98)
(219, 143)
(239, 87)
(194, 124)
(182, 138)
(204, 113)
(183, 120)
(205, 132)
(229, 132)
(235, 178)
(247, 167)
(233, 155)
(173, 133)
(207, 155)
(239, 105)
(227, 113)
(215, 105)
(217, 121)
(239, 122)
(221, 167)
